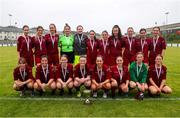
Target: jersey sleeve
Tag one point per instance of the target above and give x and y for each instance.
(15, 75)
(18, 43)
(144, 76)
(132, 73)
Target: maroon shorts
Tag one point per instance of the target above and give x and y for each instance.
(112, 61)
(146, 60)
(37, 59)
(30, 61)
(128, 60)
(91, 60)
(53, 59)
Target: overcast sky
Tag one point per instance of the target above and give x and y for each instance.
(92, 14)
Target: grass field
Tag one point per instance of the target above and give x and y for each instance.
(67, 108)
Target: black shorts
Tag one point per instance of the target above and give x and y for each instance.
(70, 56)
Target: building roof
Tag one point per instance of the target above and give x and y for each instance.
(166, 27)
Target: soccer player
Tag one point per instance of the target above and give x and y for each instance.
(138, 74)
(23, 78)
(115, 45)
(119, 77)
(79, 43)
(129, 50)
(39, 44)
(64, 75)
(44, 76)
(52, 45)
(157, 46)
(82, 75)
(92, 48)
(100, 77)
(142, 45)
(66, 44)
(24, 46)
(104, 47)
(157, 78)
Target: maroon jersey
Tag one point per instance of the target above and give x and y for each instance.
(157, 75)
(92, 50)
(156, 47)
(104, 50)
(64, 74)
(52, 43)
(120, 75)
(81, 72)
(130, 50)
(101, 76)
(115, 49)
(39, 44)
(23, 75)
(24, 47)
(143, 46)
(44, 75)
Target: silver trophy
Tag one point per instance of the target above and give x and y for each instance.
(86, 94)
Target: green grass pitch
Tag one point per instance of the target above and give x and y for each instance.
(67, 108)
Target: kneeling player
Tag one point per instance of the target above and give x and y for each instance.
(100, 77)
(157, 78)
(23, 78)
(64, 75)
(44, 76)
(119, 77)
(82, 75)
(138, 75)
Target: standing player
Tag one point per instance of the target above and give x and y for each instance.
(115, 45)
(64, 75)
(100, 77)
(157, 78)
(79, 44)
(138, 74)
(23, 78)
(142, 45)
(119, 77)
(44, 76)
(92, 48)
(66, 43)
(129, 50)
(82, 75)
(157, 46)
(52, 45)
(104, 47)
(24, 46)
(39, 45)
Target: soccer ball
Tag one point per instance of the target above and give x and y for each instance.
(87, 101)
(139, 96)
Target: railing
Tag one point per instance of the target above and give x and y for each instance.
(13, 43)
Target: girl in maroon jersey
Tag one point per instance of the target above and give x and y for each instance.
(104, 47)
(157, 77)
(64, 75)
(157, 45)
(100, 77)
(52, 45)
(92, 48)
(119, 77)
(44, 76)
(115, 45)
(82, 75)
(39, 45)
(25, 45)
(129, 50)
(142, 45)
(23, 78)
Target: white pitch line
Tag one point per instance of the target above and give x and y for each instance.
(82, 99)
